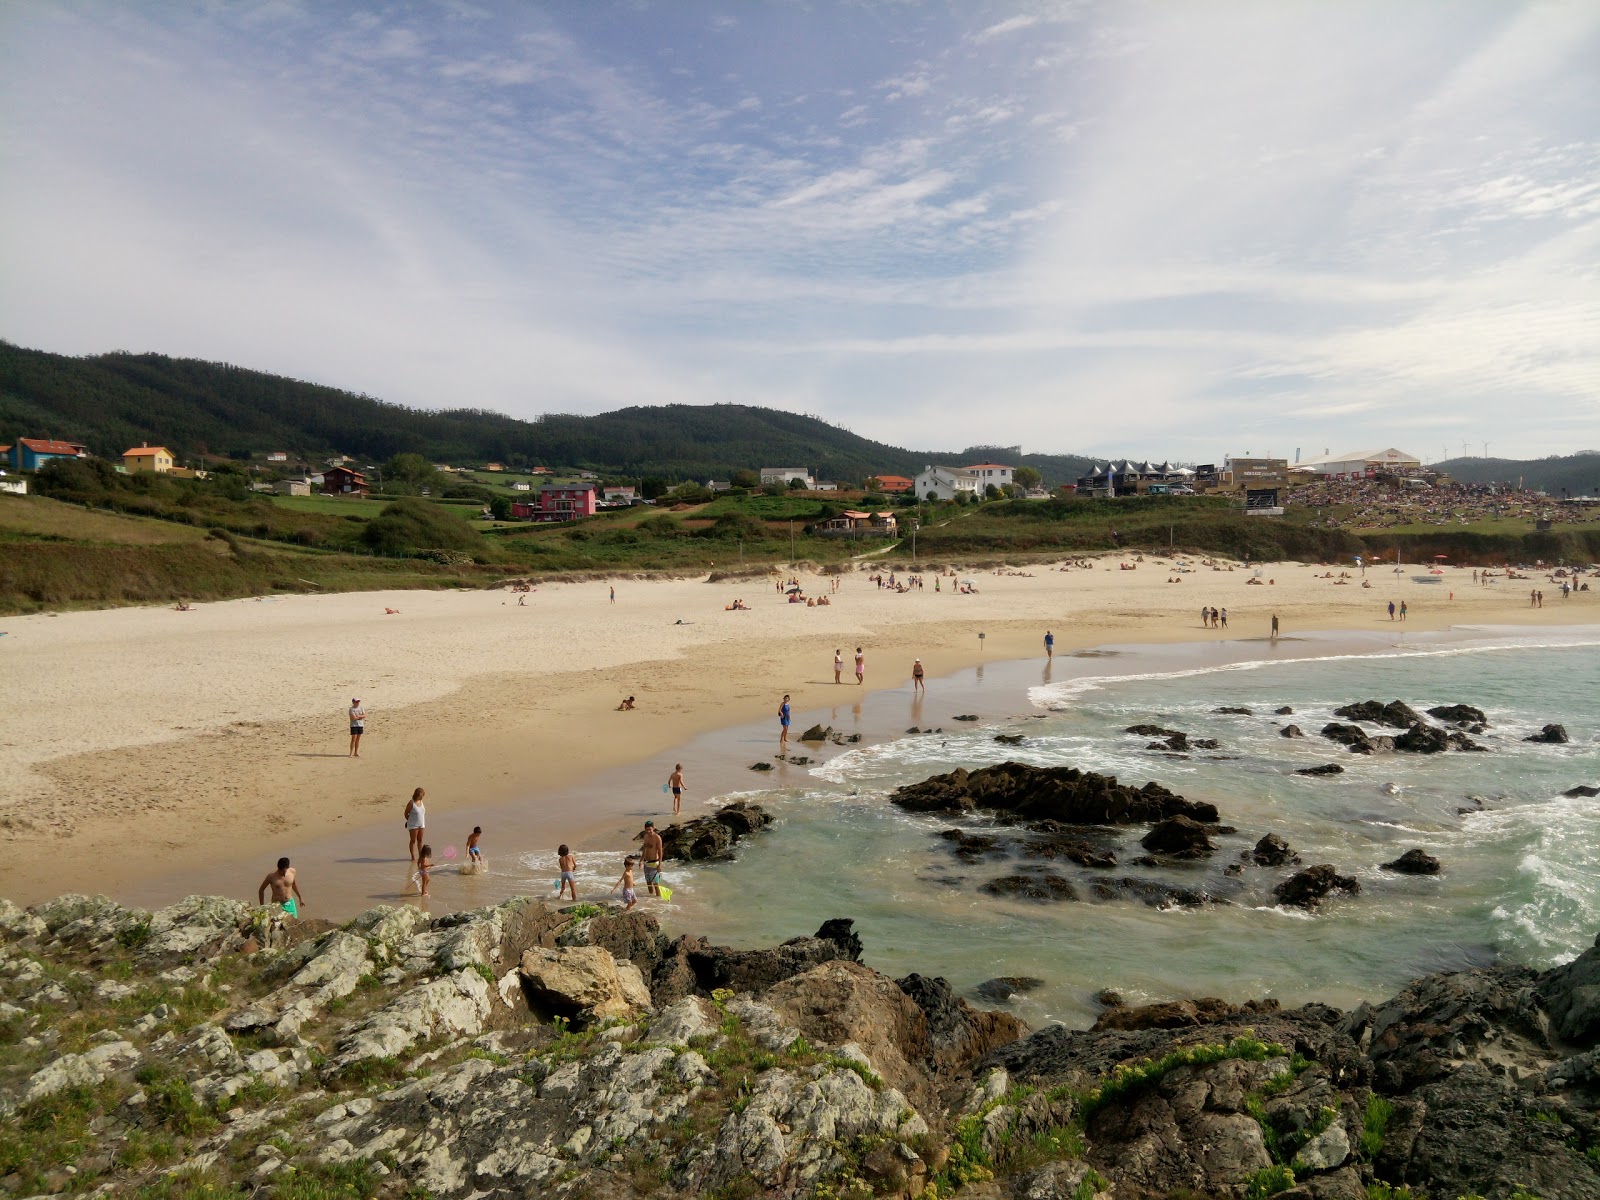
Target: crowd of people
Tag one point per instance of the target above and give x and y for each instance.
(1382, 504)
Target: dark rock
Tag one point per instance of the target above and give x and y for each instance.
(799, 760)
(1271, 851)
(914, 729)
(761, 766)
(1324, 769)
(1233, 869)
(816, 734)
(844, 739)
(1229, 708)
(1181, 1014)
(1308, 888)
(1554, 735)
(1459, 714)
(1205, 744)
(1072, 849)
(1107, 998)
(1146, 860)
(970, 847)
(1008, 739)
(1285, 711)
(1045, 886)
(713, 837)
(1150, 892)
(1423, 739)
(1571, 995)
(1063, 794)
(1003, 987)
(1356, 738)
(715, 967)
(965, 717)
(1291, 731)
(1179, 837)
(1460, 741)
(958, 1033)
(1394, 713)
(1155, 731)
(1583, 789)
(1414, 862)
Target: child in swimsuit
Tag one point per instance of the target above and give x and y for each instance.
(424, 867)
(629, 898)
(569, 865)
(474, 854)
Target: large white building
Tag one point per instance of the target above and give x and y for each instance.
(947, 482)
(782, 475)
(1357, 462)
(994, 473)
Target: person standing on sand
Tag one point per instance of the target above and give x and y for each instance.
(613, 594)
(1402, 610)
(783, 724)
(568, 864)
(358, 726)
(917, 684)
(1222, 618)
(416, 823)
(861, 665)
(652, 851)
(1274, 625)
(285, 886)
(1391, 610)
(838, 664)
(1049, 644)
(675, 782)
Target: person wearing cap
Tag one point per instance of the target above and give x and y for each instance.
(358, 726)
(651, 852)
(916, 677)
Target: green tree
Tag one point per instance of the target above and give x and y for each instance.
(653, 488)
(407, 474)
(797, 484)
(1027, 477)
(745, 479)
(991, 492)
(411, 525)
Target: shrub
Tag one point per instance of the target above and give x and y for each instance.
(407, 526)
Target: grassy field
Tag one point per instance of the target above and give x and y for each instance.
(38, 518)
(339, 506)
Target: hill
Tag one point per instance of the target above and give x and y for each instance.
(1575, 474)
(113, 401)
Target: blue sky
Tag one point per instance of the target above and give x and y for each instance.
(1173, 230)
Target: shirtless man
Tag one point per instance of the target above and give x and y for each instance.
(675, 782)
(285, 888)
(651, 850)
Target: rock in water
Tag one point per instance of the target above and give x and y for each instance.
(1236, 711)
(1555, 735)
(1414, 862)
(1003, 987)
(1179, 837)
(1308, 888)
(1291, 731)
(1285, 711)
(1458, 714)
(1272, 851)
(1044, 886)
(1356, 738)
(1155, 731)
(1423, 739)
(1063, 794)
(1583, 789)
(713, 837)
(1394, 713)
(1324, 769)
(1008, 739)
(816, 734)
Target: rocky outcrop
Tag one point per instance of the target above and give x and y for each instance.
(1394, 714)
(1414, 862)
(582, 983)
(1179, 1014)
(1234, 710)
(1308, 888)
(1583, 789)
(1356, 738)
(817, 733)
(1554, 735)
(1015, 791)
(1272, 851)
(1423, 739)
(1003, 987)
(1043, 886)
(1459, 714)
(1291, 731)
(1178, 837)
(1324, 769)
(1284, 711)
(1571, 996)
(713, 837)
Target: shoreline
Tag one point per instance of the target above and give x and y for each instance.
(161, 806)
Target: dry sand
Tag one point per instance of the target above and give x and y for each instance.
(135, 740)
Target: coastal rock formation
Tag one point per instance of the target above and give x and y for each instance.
(1272, 851)
(713, 837)
(1237, 711)
(1555, 735)
(1583, 789)
(1151, 892)
(1414, 862)
(1459, 714)
(1395, 713)
(1356, 738)
(1044, 885)
(1423, 739)
(1178, 837)
(1155, 731)
(831, 1080)
(582, 983)
(1308, 888)
(1324, 769)
(816, 734)
(1284, 711)
(1067, 795)
(1291, 731)
(1003, 987)
(1008, 739)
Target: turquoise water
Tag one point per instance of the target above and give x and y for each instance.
(1520, 872)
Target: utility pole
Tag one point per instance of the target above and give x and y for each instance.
(791, 540)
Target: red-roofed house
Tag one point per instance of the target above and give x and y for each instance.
(29, 454)
(342, 481)
(894, 483)
(559, 502)
(148, 458)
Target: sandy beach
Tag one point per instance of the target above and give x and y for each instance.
(139, 741)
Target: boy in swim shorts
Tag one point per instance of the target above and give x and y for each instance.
(474, 854)
(285, 886)
(629, 897)
(569, 866)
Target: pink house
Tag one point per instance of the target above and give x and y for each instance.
(559, 502)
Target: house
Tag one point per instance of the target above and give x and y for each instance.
(494, 466)
(892, 484)
(292, 487)
(188, 473)
(29, 454)
(559, 502)
(16, 486)
(278, 456)
(146, 457)
(719, 485)
(342, 481)
(992, 473)
(825, 485)
(619, 495)
(339, 460)
(522, 485)
(861, 524)
(948, 482)
(782, 476)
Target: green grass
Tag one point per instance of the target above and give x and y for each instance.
(342, 506)
(53, 1132)
(1374, 1126)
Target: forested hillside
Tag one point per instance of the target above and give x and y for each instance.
(1573, 474)
(113, 401)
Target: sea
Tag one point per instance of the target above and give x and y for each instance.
(1521, 861)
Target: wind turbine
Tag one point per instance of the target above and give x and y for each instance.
(1486, 449)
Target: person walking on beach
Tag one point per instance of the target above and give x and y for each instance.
(416, 823)
(675, 782)
(783, 724)
(1049, 644)
(1205, 616)
(567, 862)
(284, 883)
(917, 684)
(861, 665)
(1223, 618)
(1274, 626)
(358, 726)
(613, 594)
(629, 897)
(1391, 610)
(838, 664)
(474, 852)
(1402, 610)
(652, 851)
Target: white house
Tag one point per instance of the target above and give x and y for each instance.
(782, 476)
(994, 473)
(278, 456)
(947, 482)
(619, 494)
(522, 485)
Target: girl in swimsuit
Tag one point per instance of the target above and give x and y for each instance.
(416, 823)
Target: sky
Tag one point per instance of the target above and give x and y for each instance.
(1167, 230)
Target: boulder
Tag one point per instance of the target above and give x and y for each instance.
(1458, 714)
(1583, 789)
(1555, 735)
(1356, 738)
(839, 1002)
(1308, 888)
(455, 1005)
(712, 837)
(1150, 892)
(965, 717)
(1154, 731)
(761, 766)
(1571, 995)
(1044, 886)
(1063, 794)
(194, 925)
(1423, 739)
(1235, 710)
(1324, 769)
(1053, 845)
(1291, 731)
(91, 1067)
(1178, 837)
(1179, 1014)
(816, 734)
(958, 1034)
(1008, 739)
(1003, 987)
(1284, 711)
(1271, 851)
(711, 967)
(970, 847)
(582, 983)
(1394, 713)
(1460, 741)
(1414, 862)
